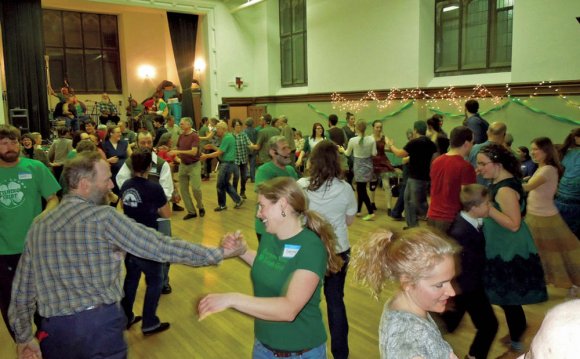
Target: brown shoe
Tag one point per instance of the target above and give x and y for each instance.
(511, 354)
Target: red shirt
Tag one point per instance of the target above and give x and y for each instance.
(187, 142)
(448, 174)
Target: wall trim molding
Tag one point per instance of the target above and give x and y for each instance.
(517, 90)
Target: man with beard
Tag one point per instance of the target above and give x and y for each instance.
(279, 166)
(23, 182)
(71, 269)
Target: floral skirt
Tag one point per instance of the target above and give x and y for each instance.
(363, 169)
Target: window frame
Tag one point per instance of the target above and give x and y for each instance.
(491, 45)
(290, 39)
(109, 57)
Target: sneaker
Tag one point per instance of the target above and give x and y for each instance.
(243, 195)
(189, 216)
(161, 328)
(239, 204)
(202, 212)
(220, 208)
(398, 219)
(368, 217)
(388, 211)
(176, 208)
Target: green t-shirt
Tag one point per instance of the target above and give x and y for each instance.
(275, 263)
(228, 147)
(21, 188)
(265, 172)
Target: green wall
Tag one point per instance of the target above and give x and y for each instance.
(522, 123)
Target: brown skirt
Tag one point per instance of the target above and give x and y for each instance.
(559, 249)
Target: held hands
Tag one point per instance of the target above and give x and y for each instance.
(29, 350)
(113, 159)
(234, 244)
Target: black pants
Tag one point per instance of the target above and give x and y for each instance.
(477, 305)
(363, 197)
(336, 310)
(516, 321)
(8, 264)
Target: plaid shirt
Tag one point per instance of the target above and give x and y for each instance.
(73, 260)
(107, 107)
(242, 143)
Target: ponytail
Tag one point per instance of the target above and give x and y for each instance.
(324, 230)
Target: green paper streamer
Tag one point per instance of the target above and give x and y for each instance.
(392, 114)
(540, 112)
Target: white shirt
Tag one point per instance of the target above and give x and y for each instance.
(334, 203)
(165, 179)
(366, 149)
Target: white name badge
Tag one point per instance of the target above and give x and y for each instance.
(290, 250)
(24, 175)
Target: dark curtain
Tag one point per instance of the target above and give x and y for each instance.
(183, 31)
(23, 42)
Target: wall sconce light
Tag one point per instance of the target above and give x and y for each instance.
(146, 71)
(199, 66)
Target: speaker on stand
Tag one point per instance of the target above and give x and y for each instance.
(224, 111)
(19, 118)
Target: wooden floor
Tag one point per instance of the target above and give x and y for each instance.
(230, 334)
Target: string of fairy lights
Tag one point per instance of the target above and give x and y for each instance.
(447, 96)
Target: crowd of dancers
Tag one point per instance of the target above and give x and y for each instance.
(510, 234)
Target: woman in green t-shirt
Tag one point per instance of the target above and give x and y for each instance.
(287, 274)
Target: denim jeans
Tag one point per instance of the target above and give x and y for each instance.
(226, 170)
(261, 352)
(337, 319)
(415, 200)
(94, 333)
(154, 280)
(252, 163)
(164, 226)
(399, 207)
(243, 174)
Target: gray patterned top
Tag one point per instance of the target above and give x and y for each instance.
(404, 335)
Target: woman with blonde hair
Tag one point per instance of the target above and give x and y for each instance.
(287, 274)
(422, 263)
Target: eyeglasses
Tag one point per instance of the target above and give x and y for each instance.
(483, 164)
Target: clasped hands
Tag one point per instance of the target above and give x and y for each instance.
(233, 245)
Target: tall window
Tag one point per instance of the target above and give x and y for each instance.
(293, 42)
(473, 36)
(83, 49)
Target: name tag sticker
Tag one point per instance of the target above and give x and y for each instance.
(24, 175)
(290, 250)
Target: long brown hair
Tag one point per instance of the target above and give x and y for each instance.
(286, 187)
(546, 145)
(324, 165)
(569, 142)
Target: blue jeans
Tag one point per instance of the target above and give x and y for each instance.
(337, 319)
(243, 174)
(261, 352)
(415, 200)
(226, 170)
(164, 226)
(153, 278)
(94, 333)
(252, 163)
